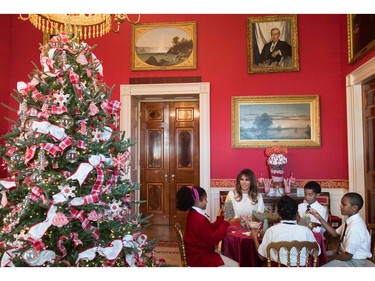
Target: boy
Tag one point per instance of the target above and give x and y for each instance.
(312, 189)
(286, 230)
(355, 241)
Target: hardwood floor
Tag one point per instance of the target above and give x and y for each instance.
(160, 232)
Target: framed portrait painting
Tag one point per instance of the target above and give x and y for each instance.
(264, 121)
(272, 44)
(361, 35)
(164, 46)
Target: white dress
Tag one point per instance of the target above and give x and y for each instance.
(245, 207)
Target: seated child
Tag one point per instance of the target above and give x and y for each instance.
(312, 189)
(286, 230)
(201, 236)
(355, 241)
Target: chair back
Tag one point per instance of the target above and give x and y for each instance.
(223, 197)
(324, 199)
(311, 250)
(371, 229)
(181, 245)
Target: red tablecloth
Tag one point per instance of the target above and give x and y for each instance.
(241, 248)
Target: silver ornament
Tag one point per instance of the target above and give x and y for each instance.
(72, 155)
(66, 121)
(30, 256)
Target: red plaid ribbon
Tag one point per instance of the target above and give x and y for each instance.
(36, 194)
(112, 180)
(54, 149)
(30, 152)
(111, 107)
(58, 109)
(90, 198)
(61, 247)
(81, 144)
(36, 95)
(60, 243)
(74, 79)
(85, 223)
(44, 114)
(99, 180)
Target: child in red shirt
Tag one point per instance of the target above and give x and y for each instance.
(201, 236)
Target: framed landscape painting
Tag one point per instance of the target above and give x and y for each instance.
(264, 121)
(272, 44)
(164, 46)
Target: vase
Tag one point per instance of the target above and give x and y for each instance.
(277, 175)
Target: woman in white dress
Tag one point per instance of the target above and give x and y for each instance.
(244, 199)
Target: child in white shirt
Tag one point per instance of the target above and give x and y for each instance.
(312, 189)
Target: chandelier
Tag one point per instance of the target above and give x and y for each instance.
(79, 26)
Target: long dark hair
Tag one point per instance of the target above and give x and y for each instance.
(187, 195)
(253, 190)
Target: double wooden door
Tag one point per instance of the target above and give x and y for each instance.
(169, 157)
(368, 98)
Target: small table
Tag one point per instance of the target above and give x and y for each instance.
(241, 248)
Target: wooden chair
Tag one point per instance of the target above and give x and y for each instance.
(311, 248)
(223, 197)
(335, 221)
(371, 229)
(181, 245)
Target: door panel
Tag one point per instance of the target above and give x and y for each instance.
(369, 147)
(154, 164)
(184, 164)
(169, 157)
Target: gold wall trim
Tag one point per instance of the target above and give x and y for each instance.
(324, 183)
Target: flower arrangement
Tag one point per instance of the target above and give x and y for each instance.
(276, 155)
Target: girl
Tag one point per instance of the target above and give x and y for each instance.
(201, 236)
(244, 199)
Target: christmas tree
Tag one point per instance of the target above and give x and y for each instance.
(68, 200)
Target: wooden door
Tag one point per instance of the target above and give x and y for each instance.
(169, 157)
(368, 97)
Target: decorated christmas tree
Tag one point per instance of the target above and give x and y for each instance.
(68, 200)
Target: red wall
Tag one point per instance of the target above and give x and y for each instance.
(222, 61)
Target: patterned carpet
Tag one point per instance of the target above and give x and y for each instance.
(168, 250)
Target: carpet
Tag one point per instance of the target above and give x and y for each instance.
(168, 250)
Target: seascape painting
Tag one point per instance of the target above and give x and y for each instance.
(164, 46)
(262, 121)
(174, 47)
(275, 121)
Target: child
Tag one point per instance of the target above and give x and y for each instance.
(312, 189)
(201, 237)
(286, 230)
(355, 241)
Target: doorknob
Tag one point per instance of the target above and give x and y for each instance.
(165, 177)
(172, 177)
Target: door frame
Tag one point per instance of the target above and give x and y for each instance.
(356, 161)
(132, 94)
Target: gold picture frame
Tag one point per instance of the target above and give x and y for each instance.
(361, 35)
(264, 121)
(164, 46)
(263, 57)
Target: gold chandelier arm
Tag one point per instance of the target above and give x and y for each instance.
(120, 18)
(24, 18)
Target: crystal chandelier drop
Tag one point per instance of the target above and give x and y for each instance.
(79, 26)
